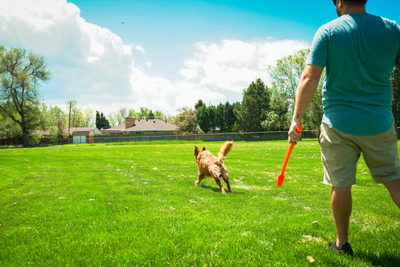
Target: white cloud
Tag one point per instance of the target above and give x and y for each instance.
(232, 64)
(93, 65)
(138, 48)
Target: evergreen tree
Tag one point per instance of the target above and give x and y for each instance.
(254, 108)
(230, 117)
(98, 121)
(220, 121)
(203, 118)
(150, 116)
(199, 104)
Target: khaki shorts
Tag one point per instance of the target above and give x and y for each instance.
(340, 153)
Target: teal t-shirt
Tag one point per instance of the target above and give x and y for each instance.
(359, 52)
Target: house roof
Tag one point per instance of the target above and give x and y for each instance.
(81, 131)
(154, 125)
(75, 131)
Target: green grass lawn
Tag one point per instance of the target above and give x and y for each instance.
(130, 205)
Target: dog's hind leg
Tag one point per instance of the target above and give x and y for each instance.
(218, 181)
(225, 176)
(201, 178)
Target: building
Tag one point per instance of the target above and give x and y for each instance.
(148, 126)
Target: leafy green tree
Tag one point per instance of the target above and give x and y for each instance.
(285, 77)
(131, 112)
(123, 112)
(186, 121)
(88, 118)
(287, 72)
(395, 78)
(8, 128)
(278, 115)
(54, 114)
(78, 117)
(142, 114)
(254, 108)
(20, 74)
(159, 115)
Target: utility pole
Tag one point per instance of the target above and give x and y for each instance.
(69, 121)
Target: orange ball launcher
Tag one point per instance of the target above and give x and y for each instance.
(281, 177)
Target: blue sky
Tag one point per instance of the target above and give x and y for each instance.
(167, 54)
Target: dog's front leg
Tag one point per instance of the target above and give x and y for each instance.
(201, 178)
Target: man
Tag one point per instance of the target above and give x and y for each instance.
(359, 51)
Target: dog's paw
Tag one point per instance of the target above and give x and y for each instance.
(196, 183)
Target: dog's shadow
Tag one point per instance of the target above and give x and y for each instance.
(216, 189)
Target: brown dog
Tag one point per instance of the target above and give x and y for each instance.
(209, 165)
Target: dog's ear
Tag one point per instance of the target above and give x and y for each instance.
(204, 148)
(196, 151)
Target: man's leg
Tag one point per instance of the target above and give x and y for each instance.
(394, 190)
(341, 206)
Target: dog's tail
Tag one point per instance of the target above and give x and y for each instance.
(224, 151)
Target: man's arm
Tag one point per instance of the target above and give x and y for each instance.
(305, 93)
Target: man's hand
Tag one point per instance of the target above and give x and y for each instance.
(294, 136)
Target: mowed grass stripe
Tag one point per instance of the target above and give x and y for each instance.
(141, 212)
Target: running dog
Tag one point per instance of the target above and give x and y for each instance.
(211, 166)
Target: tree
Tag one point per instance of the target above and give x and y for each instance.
(159, 115)
(278, 115)
(150, 116)
(203, 118)
(186, 120)
(101, 121)
(219, 118)
(395, 78)
(285, 77)
(104, 122)
(230, 117)
(131, 112)
(254, 108)
(199, 104)
(53, 114)
(8, 128)
(287, 73)
(142, 114)
(20, 74)
(87, 118)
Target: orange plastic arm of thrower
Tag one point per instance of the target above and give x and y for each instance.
(281, 177)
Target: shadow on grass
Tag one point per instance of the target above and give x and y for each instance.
(216, 189)
(378, 259)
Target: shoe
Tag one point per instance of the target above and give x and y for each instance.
(346, 249)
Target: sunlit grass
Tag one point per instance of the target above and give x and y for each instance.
(137, 205)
